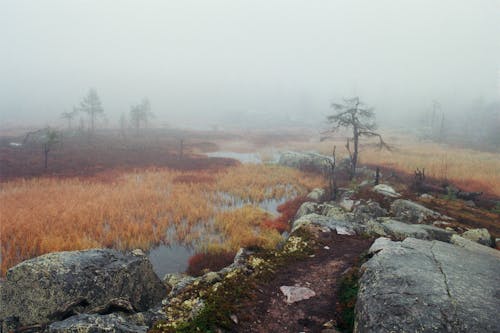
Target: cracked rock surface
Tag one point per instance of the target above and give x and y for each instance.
(428, 286)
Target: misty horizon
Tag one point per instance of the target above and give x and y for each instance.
(203, 63)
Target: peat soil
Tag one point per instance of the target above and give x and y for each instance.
(267, 311)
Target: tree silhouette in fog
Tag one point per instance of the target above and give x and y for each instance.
(91, 105)
(354, 114)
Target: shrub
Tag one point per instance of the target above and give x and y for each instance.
(201, 262)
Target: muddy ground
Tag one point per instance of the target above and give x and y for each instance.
(267, 311)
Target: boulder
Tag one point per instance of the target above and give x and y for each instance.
(428, 286)
(306, 208)
(325, 209)
(368, 211)
(93, 323)
(481, 236)
(411, 212)
(342, 224)
(473, 246)
(386, 190)
(53, 286)
(399, 230)
(305, 161)
(316, 194)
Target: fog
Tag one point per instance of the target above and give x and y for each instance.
(202, 63)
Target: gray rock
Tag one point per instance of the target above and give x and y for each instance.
(325, 209)
(86, 323)
(386, 190)
(171, 279)
(481, 236)
(399, 231)
(305, 161)
(473, 246)
(37, 290)
(411, 212)
(306, 208)
(347, 204)
(296, 294)
(368, 211)
(316, 194)
(325, 223)
(428, 286)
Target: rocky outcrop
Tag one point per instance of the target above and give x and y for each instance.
(428, 286)
(411, 212)
(316, 194)
(398, 230)
(481, 236)
(305, 161)
(313, 221)
(386, 190)
(58, 285)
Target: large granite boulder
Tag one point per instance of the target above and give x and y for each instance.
(56, 285)
(428, 286)
(305, 161)
(411, 212)
(399, 230)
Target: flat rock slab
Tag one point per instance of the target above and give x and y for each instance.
(428, 286)
(39, 290)
(296, 294)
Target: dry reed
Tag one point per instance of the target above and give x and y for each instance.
(137, 209)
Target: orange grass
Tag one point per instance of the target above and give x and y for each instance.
(471, 170)
(135, 211)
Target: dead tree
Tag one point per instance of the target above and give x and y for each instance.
(355, 115)
(332, 180)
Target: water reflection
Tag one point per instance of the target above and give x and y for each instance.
(170, 258)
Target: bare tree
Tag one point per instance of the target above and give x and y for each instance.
(360, 118)
(140, 114)
(69, 115)
(91, 105)
(48, 137)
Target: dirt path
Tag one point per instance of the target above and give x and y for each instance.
(268, 311)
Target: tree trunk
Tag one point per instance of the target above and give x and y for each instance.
(46, 154)
(354, 161)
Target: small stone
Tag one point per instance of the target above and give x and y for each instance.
(426, 196)
(211, 277)
(138, 252)
(344, 231)
(326, 248)
(234, 318)
(296, 294)
(347, 204)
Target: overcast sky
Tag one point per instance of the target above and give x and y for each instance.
(199, 60)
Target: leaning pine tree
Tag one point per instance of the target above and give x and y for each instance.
(354, 114)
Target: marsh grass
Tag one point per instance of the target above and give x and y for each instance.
(136, 209)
